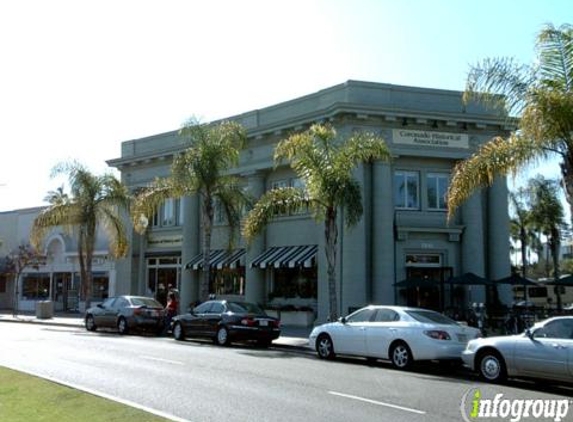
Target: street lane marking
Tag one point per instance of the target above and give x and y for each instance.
(378, 403)
(173, 362)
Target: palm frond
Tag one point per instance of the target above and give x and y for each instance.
(148, 201)
(555, 52)
(362, 147)
(499, 83)
(272, 203)
(497, 157)
(67, 215)
(113, 225)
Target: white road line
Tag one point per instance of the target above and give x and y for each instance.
(93, 392)
(173, 362)
(378, 403)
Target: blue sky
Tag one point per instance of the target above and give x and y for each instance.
(80, 77)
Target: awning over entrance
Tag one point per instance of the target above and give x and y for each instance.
(220, 258)
(287, 256)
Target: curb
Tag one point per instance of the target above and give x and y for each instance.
(47, 322)
(290, 347)
(97, 393)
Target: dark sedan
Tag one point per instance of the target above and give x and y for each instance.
(126, 313)
(227, 321)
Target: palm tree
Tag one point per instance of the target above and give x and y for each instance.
(93, 201)
(541, 95)
(548, 216)
(520, 225)
(324, 162)
(201, 170)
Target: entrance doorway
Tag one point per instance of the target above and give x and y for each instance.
(426, 276)
(163, 274)
(65, 292)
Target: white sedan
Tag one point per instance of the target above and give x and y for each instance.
(400, 334)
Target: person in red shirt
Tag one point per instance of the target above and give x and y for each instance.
(170, 310)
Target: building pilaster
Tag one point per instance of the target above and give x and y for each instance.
(255, 290)
(189, 286)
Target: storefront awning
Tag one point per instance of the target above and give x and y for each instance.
(287, 256)
(220, 258)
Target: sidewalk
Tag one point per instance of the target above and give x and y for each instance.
(291, 337)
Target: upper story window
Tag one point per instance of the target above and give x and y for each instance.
(437, 188)
(406, 190)
(169, 213)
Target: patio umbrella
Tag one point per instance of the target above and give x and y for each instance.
(517, 280)
(470, 279)
(563, 281)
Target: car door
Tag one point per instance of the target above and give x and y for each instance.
(380, 332)
(213, 317)
(104, 316)
(119, 307)
(546, 353)
(195, 321)
(350, 333)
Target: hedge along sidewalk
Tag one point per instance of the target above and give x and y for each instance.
(26, 398)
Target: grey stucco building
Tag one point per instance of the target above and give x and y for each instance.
(403, 234)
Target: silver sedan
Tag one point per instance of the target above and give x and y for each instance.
(544, 351)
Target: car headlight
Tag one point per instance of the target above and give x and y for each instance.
(472, 346)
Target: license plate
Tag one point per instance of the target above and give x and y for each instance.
(264, 323)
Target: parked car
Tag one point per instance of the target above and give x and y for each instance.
(400, 334)
(543, 351)
(126, 313)
(227, 321)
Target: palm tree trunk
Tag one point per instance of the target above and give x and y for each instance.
(523, 240)
(207, 229)
(89, 247)
(82, 259)
(567, 175)
(555, 244)
(331, 236)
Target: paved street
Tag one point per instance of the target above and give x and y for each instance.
(198, 381)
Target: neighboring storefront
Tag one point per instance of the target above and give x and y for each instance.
(56, 276)
(402, 249)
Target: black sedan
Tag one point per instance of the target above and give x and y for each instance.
(126, 313)
(226, 321)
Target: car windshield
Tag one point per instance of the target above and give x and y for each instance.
(145, 301)
(431, 317)
(245, 308)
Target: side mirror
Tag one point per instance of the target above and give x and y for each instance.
(99, 305)
(529, 333)
(342, 320)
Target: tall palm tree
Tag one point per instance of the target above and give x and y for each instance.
(548, 216)
(325, 163)
(93, 201)
(520, 225)
(541, 95)
(201, 170)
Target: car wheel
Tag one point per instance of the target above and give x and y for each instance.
(178, 333)
(325, 347)
(122, 326)
(401, 356)
(222, 338)
(90, 323)
(491, 366)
